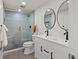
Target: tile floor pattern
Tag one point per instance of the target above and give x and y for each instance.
(18, 55)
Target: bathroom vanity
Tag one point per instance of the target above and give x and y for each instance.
(50, 48)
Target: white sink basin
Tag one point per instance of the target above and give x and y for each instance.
(53, 39)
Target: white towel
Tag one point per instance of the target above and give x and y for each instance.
(3, 39)
(3, 36)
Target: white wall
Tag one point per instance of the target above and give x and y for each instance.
(1, 12)
(71, 21)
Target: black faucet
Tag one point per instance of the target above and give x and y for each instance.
(47, 32)
(66, 33)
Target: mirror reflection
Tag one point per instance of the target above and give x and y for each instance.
(49, 18)
(63, 15)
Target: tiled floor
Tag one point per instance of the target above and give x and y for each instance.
(18, 55)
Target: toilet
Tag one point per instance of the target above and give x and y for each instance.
(28, 47)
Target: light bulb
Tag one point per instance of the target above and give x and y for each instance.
(23, 3)
(19, 10)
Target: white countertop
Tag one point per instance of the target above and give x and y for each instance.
(53, 39)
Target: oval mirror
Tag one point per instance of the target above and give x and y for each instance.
(63, 15)
(49, 18)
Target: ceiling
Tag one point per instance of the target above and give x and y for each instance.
(14, 5)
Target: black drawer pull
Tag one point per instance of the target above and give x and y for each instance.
(46, 51)
(51, 55)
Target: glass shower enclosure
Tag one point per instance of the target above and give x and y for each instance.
(19, 29)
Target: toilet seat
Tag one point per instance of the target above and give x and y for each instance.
(28, 43)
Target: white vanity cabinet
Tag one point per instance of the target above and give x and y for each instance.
(46, 49)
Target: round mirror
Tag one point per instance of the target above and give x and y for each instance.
(63, 15)
(49, 18)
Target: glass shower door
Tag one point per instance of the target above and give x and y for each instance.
(19, 26)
